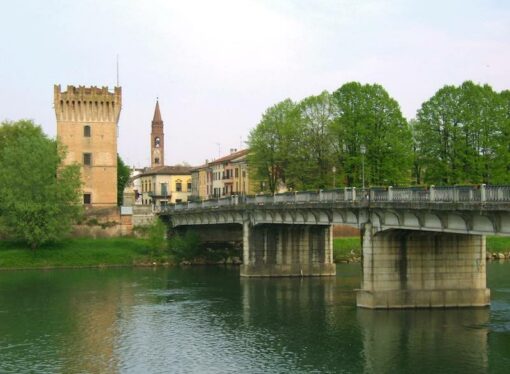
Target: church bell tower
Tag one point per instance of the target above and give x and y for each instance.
(157, 139)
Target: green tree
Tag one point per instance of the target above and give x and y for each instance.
(273, 143)
(312, 161)
(39, 198)
(123, 174)
(370, 130)
(459, 134)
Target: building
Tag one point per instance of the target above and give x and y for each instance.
(87, 119)
(157, 139)
(225, 176)
(165, 185)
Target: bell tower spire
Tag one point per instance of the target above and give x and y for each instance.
(157, 139)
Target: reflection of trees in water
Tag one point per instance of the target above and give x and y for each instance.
(425, 340)
(307, 317)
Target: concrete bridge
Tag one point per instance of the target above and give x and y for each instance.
(420, 247)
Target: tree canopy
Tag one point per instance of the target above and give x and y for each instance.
(357, 127)
(123, 174)
(39, 197)
(462, 135)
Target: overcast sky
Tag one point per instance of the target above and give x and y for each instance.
(217, 65)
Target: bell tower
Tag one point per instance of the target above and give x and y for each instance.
(157, 139)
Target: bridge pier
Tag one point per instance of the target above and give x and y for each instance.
(280, 250)
(420, 269)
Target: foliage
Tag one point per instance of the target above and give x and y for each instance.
(369, 120)
(156, 235)
(314, 157)
(39, 197)
(273, 144)
(299, 145)
(462, 135)
(185, 247)
(123, 174)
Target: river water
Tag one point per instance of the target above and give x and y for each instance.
(208, 320)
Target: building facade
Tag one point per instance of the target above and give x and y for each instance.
(87, 120)
(228, 175)
(166, 185)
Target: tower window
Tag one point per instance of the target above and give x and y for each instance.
(87, 159)
(87, 198)
(156, 160)
(86, 131)
(156, 142)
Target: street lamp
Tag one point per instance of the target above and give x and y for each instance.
(363, 150)
(334, 174)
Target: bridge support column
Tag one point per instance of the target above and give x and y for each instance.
(419, 269)
(287, 251)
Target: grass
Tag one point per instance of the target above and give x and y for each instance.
(345, 248)
(129, 251)
(77, 252)
(498, 244)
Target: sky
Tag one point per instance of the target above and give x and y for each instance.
(216, 66)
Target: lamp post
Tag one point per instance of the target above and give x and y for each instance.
(334, 175)
(362, 149)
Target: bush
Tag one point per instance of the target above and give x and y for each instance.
(157, 238)
(185, 247)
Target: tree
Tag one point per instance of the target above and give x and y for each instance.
(39, 198)
(370, 130)
(273, 143)
(123, 175)
(313, 158)
(459, 133)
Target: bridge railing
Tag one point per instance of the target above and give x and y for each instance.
(497, 193)
(443, 194)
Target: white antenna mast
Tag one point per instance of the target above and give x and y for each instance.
(117, 70)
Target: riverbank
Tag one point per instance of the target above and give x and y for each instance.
(348, 249)
(130, 251)
(80, 252)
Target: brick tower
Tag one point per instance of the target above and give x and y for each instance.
(87, 119)
(157, 139)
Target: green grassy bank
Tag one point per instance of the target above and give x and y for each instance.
(82, 252)
(346, 249)
(78, 252)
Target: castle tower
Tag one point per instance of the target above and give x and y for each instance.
(157, 139)
(87, 119)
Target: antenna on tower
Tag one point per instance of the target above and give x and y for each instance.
(117, 70)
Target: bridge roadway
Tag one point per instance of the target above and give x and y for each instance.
(420, 247)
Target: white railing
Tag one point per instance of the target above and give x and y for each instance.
(449, 194)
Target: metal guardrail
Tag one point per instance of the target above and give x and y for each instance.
(432, 194)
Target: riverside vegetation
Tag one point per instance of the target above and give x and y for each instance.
(154, 250)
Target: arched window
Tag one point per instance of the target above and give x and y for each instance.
(178, 185)
(156, 142)
(86, 131)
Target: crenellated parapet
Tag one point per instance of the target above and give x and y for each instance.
(92, 104)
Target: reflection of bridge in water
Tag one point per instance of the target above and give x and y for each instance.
(420, 247)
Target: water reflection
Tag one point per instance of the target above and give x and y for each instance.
(425, 340)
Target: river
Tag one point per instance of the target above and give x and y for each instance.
(208, 320)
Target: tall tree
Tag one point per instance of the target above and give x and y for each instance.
(458, 133)
(313, 159)
(39, 198)
(123, 174)
(371, 136)
(272, 144)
